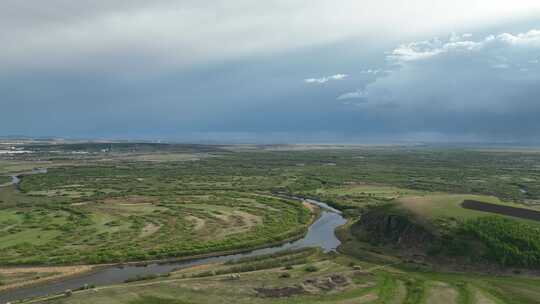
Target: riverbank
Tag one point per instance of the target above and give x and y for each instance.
(320, 233)
(28, 276)
(60, 273)
(16, 178)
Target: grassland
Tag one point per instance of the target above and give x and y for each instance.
(336, 279)
(121, 227)
(4, 179)
(438, 205)
(103, 203)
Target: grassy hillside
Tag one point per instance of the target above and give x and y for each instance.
(496, 239)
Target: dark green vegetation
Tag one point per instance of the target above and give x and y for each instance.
(4, 179)
(487, 239)
(507, 242)
(388, 225)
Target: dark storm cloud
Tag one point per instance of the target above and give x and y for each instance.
(485, 87)
(261, 71)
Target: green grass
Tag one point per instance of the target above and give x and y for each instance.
(157, 300)
(84, 211)
(373, 191)
(385, 286)
(357, 196)
(389, 289)
(507, 242)
(445, 205)
(416, 289)
(466, 295)
(99, 228)
(4, 179)
(9, 217)
(505, 289)
(30, 237)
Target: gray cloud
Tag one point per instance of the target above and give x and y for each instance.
(105, 34)
(436, 81)
(236, 69)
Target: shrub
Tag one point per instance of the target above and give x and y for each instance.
(311, 268)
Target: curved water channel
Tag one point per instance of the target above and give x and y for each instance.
(320, 234)
(16, 179)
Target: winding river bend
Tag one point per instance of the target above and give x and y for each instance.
(320, 234)
(16, 179)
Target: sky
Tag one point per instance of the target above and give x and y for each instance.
(276, 71)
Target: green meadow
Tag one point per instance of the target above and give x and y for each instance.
(153, 202)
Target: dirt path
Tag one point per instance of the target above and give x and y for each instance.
(441, 293)
(481, 298)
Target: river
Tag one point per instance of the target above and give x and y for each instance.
(320, 234)
(16, 179)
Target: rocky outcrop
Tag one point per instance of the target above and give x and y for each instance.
(383, 227)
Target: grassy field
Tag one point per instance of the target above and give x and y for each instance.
(438, 205)
(430, 206)
(4, 179)
(103, 203)
(40, 229)
(181, 200)
(353, 196)
(315, 278)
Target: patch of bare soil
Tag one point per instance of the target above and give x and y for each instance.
(60, 272)
(279, 292)
(442, 293)
(149, 229)
(197, 222)
(236, 222)
(481, 298)
(310, 286)
(327, 284)
(501, 209)
(312, 208)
